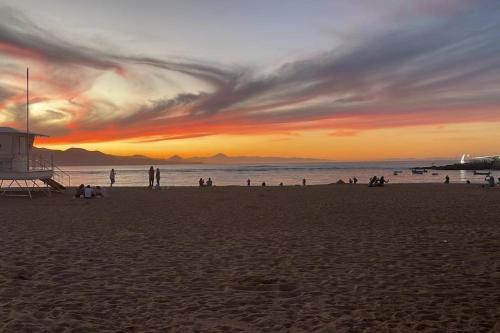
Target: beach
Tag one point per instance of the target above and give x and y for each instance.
(330, 258)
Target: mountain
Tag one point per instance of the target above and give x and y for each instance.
(224, 159)
(78, 156)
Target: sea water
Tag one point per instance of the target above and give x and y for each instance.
(272, 174)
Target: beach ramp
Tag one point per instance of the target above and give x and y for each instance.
(53, 184)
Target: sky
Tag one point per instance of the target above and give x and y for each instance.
(342, 80)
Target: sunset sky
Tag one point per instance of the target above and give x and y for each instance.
(343, 80)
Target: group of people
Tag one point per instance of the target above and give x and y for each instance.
(491, 181)
(208, 183)
(377, 182)
(89, 192)
(152, 173)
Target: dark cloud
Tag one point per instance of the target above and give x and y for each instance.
(404, 72)
(20, 32)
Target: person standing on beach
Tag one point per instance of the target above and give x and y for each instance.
(201, 182)
(158, 177)
(112, 174)
(355, 180)
(151, 176)
(447, 179)
(248, 182)
(304, 182)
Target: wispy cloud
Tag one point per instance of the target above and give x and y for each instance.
(444, 71)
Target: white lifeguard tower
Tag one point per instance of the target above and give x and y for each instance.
(20, 171)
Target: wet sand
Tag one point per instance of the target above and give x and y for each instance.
(338, 258)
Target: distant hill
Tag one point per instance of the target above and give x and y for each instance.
(78, 156)
(224, 159)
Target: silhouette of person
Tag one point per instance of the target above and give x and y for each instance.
(158, 176)
(79, 191)
(355, 180)
(382, 181)
(209, 181)
(304, 182)
(112, 175)
(373, 181)
(447, 179)
(263, 183)
(151, 176)
(350, 181)
(281, 184)
(248, 182)
(87, 192)
(201, 182)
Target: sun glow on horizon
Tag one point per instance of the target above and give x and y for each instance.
(413, 142)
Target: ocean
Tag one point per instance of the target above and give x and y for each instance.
(272, 174)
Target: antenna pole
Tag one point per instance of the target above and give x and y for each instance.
(27, 121)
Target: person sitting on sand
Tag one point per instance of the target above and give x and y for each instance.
(263, 184)
(355, 180)
(209, 182)
(158, 177)
(151, 176)
(79, 191)
(112, 175)
(201, 182)
(98, 192)
(447, 179)
(373, 181)
(87, 192)
(281, 184)
(382, 181)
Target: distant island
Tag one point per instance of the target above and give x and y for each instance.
(473, 165)
(79, 156)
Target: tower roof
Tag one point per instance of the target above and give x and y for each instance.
(11, 130)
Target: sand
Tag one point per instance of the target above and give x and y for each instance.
(338, 258)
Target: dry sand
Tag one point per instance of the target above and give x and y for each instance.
(409, 258)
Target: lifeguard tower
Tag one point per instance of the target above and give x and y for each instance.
(21, 172)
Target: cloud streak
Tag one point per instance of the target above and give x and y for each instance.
(446, 71)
